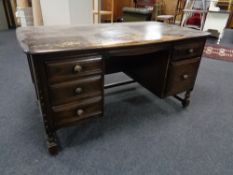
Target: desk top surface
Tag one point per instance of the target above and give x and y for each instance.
(35, 40)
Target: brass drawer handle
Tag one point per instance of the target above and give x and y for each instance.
(77, 68)
(191, 51)
(185, 76)
(78, 90)
(80, 112)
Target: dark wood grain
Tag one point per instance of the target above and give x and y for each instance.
(35, 40)
(150, 70)
(182, 76)
(187, 49)
(68, 65)
(66, 114)
(64, 69)
(76, 90)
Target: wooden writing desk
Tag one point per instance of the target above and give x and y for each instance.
(68, 65)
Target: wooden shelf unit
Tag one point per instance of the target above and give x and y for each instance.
(226, 4)
(97, 11)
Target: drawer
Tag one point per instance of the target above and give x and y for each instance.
(76, 90)
(182, 76)
(69, 69)
(71, 113)
(186, 50)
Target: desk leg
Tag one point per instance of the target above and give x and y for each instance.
(52, 143)
(52, 139)
(31, 68)
(186, 101)
(51, 136)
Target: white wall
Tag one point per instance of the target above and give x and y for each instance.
(55, 12)
(66, 12)
(81, 11)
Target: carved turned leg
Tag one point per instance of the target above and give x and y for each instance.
(52, 139)
(52, 143)
(186, 101)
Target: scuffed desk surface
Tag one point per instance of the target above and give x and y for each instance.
(46, 39)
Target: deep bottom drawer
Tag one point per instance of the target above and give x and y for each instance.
(182, 76)
(68, 114)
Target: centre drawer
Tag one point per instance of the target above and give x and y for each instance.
(182, 76)
(68, 69)
(76, 90)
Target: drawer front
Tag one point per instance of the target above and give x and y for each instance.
(188, 50)
(70, 69)
(76, 90)
(182, 76)
(69, 114)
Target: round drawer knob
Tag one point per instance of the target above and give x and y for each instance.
(191, 50)
(185, 76)
(78, 90)
(77, 68)
(80, 112)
